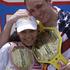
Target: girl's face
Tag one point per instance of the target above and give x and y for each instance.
(28, 37)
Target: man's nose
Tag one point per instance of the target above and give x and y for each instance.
(36, 13)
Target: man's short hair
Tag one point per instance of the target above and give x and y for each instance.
(45, 0)
(48, 0)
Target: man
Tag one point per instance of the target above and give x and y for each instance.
(40, 9)
(43, 11)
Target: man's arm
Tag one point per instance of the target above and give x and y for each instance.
(4, 36)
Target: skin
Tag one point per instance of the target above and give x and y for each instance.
(28, 37)
(43, 11)
(4, 35)
(63, 66)
(66, 67)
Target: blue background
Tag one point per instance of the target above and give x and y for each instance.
(4, 10)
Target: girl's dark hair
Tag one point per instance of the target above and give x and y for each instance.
(14, 37)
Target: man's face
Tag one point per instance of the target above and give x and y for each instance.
(28, 37)
(41, 9)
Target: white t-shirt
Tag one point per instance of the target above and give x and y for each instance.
(5, 59)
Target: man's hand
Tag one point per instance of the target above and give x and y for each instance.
(18, 14)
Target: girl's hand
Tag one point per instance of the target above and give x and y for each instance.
(65, 67)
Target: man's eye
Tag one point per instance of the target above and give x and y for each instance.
(38, 6)
(31, 10)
